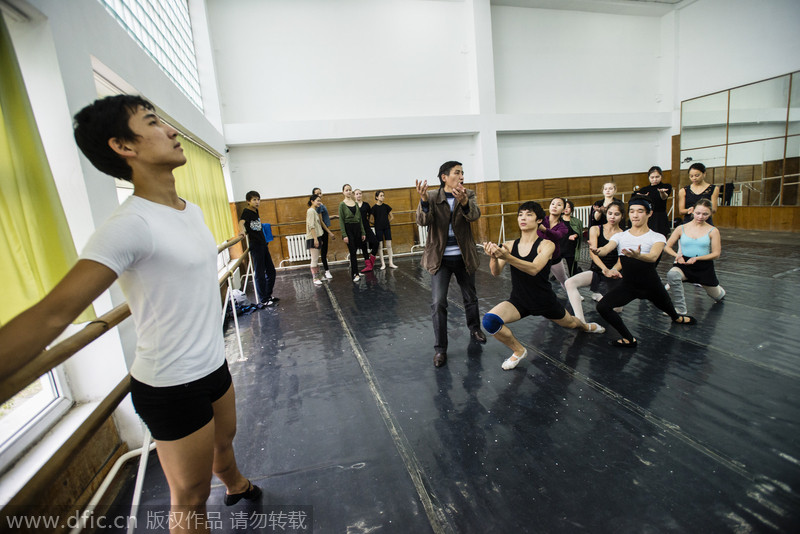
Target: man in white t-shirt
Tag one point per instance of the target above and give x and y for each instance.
(157, 246)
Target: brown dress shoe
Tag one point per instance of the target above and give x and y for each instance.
(440, 359)
(479, 336)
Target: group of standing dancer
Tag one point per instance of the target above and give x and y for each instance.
(623, 264)
(357, 233)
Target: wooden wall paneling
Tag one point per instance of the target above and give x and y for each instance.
(625, 183)
(489, 223)
(597, 186)
(780, 219)
(530, 190)
(789, 195)
(509, 191)
(790, 192)
(725, 217)
(555, 187)
(675, 164)
(579, 190)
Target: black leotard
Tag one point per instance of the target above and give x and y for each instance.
(533, 294)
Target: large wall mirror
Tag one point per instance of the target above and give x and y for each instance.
(749, 140)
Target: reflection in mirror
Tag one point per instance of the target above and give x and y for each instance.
(794, 110)
(791, 179)
(710, 157)
(703, 121)
(756, 167)
(758, 111)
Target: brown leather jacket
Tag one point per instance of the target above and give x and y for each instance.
(438, 221)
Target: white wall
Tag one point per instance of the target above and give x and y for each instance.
(552, 61)
(284, 60)
(726, 43)
(559, 155)
(295, 169)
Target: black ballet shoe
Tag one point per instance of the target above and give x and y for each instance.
(253, 493)
(620, 343)
(687, 320)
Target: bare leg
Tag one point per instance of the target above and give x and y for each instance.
(380, 255)
(225, 467)
(509, 314)
(391, 255)
(572, 322)
(187, 464)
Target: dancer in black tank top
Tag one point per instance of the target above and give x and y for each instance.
(604, 271)
(531, 293)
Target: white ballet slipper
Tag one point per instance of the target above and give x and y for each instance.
(596, 330)
(513, 360)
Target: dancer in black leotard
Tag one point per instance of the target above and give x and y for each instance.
(657, 193)
(369, 247)
(699, 188)
(605, 270)
(639, 248)
(531, 292)
(598, 215)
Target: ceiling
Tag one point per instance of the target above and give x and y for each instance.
(654, 8)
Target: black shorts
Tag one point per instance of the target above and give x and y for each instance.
(310, 243)
(548, 308)
(383, 233)
(174, 412)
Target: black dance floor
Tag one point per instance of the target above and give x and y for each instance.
(348, 427)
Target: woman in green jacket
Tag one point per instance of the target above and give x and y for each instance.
(352, 228)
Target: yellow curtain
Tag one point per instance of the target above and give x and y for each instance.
(36, 248)
(201, 182)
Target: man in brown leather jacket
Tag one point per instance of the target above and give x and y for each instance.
(450, 250)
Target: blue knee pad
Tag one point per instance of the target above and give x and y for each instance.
(492, 323)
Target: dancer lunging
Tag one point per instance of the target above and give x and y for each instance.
(639, 249)
(700, 246)
(531, 293)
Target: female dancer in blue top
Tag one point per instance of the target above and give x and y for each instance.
(700, 246)
(531, 292)
(639, 249)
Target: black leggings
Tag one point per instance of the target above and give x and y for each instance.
(625, 293)
(353, 235)
(370, 246)
(323, 250)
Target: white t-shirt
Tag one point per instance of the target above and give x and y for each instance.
(631, 242)
(166, 261)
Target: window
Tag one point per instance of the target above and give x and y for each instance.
(38, 407)
(164, 31)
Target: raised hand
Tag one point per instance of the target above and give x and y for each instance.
(422, 190)
(461, 194)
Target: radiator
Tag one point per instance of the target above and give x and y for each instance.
(422, 232)
(297, 248)
(583, 213)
